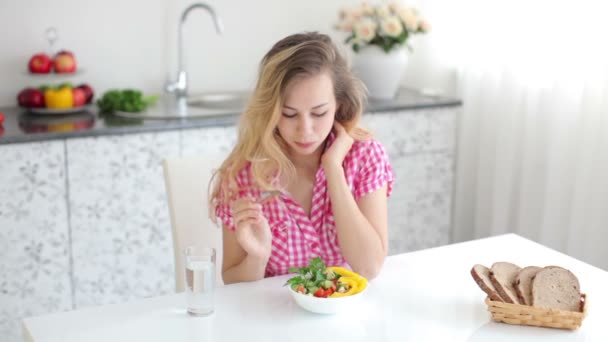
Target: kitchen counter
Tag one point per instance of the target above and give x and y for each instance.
(20, 126)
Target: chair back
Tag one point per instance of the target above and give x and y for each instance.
(187, 182)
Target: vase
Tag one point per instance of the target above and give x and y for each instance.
(380, 71)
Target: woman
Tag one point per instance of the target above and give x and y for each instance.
(298, 137)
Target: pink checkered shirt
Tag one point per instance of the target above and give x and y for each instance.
(297, 238)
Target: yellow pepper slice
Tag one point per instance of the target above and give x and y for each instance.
(344, 272)
(362, 284)
(59, 99)
(351, 282)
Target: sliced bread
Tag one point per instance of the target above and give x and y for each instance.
(481, 275)
(523, 284)
(556, 288)
(502, 276)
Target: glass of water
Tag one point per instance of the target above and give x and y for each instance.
(200, 279)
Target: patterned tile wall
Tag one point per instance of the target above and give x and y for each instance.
(421, 149)
(201, 141)
(34, 236)
(120, 224)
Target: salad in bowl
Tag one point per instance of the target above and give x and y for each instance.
(322, 289)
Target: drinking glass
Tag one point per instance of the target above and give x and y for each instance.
(200, 279)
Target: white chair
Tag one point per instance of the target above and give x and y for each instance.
(187, 182)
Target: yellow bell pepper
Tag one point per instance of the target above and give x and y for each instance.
(346, 273)
(351, 282)
(59, 99)
(362, 284)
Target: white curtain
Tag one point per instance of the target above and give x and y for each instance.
(532, 155)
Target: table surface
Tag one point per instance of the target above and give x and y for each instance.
(427, 295)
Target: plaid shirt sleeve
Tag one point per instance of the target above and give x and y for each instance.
(375, 170)
(223, 211)
(224, 214)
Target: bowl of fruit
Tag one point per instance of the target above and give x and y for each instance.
(56, 99)
(325, 290)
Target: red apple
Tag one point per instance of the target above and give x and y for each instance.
(88, 91)
(31, 98)
(65, 52)
(64, 62)
(80, 97)
(40, 64)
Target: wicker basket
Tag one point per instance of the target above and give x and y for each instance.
(540, 317)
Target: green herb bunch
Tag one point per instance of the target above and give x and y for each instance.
(126, 100)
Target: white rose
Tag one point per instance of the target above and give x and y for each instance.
(365, 30)
(395, 6)
(391, 26)
(357, 41)
(367, 9)
(345, 25)
(383, 11)
(424, 26)
(409, 19)
(355, 14)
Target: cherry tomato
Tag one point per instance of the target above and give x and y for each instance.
(320, 293)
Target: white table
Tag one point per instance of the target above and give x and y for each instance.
(422, 296)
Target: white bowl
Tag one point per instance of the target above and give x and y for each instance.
(326, 305)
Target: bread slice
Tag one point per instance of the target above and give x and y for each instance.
(523, 284)
(556, 288)
(481, 275)
(502, 276)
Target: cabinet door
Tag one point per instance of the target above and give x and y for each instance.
(211, 140)
(34, 234)
(420, 144)
(121, 232)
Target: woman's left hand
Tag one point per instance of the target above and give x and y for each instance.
(334, 156)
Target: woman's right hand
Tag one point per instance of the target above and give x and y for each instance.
(252, 229)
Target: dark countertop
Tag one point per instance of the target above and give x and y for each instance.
(20, 126)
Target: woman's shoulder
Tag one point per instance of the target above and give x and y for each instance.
(242, 177)
(369, 148)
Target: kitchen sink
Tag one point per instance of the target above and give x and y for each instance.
(220, 100)
(199, 105)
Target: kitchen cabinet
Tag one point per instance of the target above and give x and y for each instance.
(84, 220)
(35, 260)
(420, 145)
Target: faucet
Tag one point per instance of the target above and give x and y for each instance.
(180, 86)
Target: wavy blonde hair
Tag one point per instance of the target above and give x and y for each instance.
(298, 55)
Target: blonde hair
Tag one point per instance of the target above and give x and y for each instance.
(259, 143)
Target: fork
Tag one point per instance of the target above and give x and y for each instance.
(265, 196)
